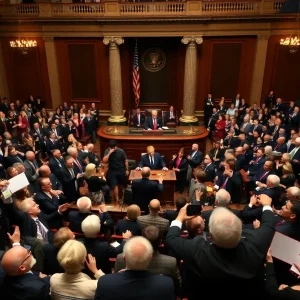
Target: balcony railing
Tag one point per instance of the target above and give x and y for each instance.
(110, 9)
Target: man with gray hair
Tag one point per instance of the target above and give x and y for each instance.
(234, 255)
(223, 199)
(84, 205)
(31, 170)
(135, 283)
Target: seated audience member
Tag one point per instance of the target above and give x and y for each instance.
(101, 250)
(137, 254)
(19, 281)
(153, 218)
(95, 184)
(282, 292)
(171, 115)
(130, 221)
(152, 160)
(195, 227)
(11, 172)
(159, 264)
(171, 215)
(84, 205)
(153, 122)
(73, 283)
(51, 265)
(180, 166)
(138, 119)
(288, 178)
(144, 190)
(204, 259)
(223, 199)
(20, 196)
(198, 184)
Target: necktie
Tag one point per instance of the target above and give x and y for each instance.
(292, 153)
(279, 223)
(38, 132)
(216, 153)
(256, 160)
(151, 163)
(73, 176)
(154, 124)
(294, 114)
(19, 159)
(263, 175)
(78, 165)
(277, 146)
(138, 119)
(41, 230)
(223, 186)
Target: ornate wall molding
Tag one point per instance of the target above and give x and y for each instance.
(192, 39)
(113, 40)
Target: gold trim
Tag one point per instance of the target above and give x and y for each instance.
(188, 119)
(117, 119)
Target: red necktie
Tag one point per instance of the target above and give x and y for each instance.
(154, 124)
(277, 146)
(224, 184)
(262, 176)
(256, 160)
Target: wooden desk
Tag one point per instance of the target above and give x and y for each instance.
(166, 144)
(166, 197)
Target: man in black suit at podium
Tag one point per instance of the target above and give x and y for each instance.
(153, 123)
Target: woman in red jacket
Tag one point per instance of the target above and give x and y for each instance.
(220, 127)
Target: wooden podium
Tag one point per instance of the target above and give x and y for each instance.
(166, 197)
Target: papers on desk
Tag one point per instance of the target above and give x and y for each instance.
(18, 182)
(286, 249)
(165, 127)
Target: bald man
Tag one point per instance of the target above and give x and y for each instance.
(144, 190)
(19, 282)
(195, 227)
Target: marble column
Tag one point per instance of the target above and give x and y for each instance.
(115, 79)
(53, 71)
(259, 68)
(3, 79)
(190, 78)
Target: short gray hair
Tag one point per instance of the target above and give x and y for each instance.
(274, 179)
(91, 226)
(71, 150)
(84, 204)
(225, 228)
(295, 191)
(138, 253)
(223, 197)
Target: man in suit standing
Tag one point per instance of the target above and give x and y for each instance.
(31, 170)
(20, 282)
(208, 108)
(144, 190)
(204, 259)
(56, 162)
(153, 123)
(152, 160)
(171, 115)
(138, 119)
(135, 282)
(194, 158)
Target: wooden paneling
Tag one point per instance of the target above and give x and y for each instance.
(27, 74)
(83, 71)
(282, 71)
(225, 67)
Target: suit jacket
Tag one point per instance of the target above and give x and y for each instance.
(88, 125)
(196, 159)
(253, 168)
(231, 143)
(161, 223)
(11, 159)
(159, 264)
(55, 165)
(31, 174)
(23, 287)
(280, 148)
(158, 162)
(51, 264)
(149, 123)
(136, 122)
(242, 265)
(51, 145)
(143, 191)
(210, 172)
(168, 116)
(70, 189)
(48, 205)
(67, 130)
(143, 285)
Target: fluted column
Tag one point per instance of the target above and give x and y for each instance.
(190, 78)
(115, 79)
(53, 71)
(3, 81)
(259, 68)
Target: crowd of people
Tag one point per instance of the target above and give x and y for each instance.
(58, 247)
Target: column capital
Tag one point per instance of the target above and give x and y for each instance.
(48, 39)
(118, 40)
(263, 37)
(192, 39)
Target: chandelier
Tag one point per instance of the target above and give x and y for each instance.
(23, 45)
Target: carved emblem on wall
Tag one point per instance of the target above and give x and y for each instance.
(153, 59)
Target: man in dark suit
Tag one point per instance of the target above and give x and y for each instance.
(171, 115)
(194, 158)
(138, 119)
(208, 108)
(70, 179)
(124, 285)
(144, 190)
(257, 163)
(20, 282)
(31, 170)
(56, 162)
(209, 168)
(237, 101)
(45, 172)
(204, 259)
(52, 143)
(69, 129)
(152, 160)
(84, 205)
(153, 122)
(88, 124)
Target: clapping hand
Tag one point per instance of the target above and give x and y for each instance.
(15, 237)
(91, 263)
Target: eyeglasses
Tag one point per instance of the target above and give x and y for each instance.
(28, 255)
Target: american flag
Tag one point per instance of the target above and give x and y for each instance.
(136, 75)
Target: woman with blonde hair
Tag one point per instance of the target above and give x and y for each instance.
(73, 283)
(95, 184)
(288, 178)
(23, 123)
(130, 221)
